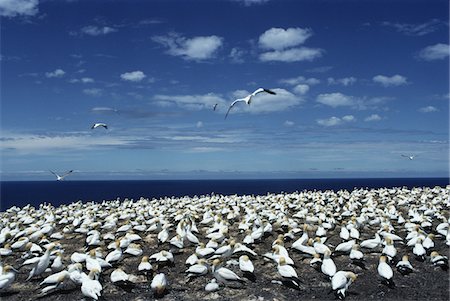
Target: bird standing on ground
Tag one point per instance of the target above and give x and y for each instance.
(248, 99)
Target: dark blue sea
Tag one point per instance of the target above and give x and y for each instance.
(64, 192)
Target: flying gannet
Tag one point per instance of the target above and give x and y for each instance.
(248, 99)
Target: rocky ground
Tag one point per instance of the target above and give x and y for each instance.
(426, 283)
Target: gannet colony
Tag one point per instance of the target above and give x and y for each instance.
(365, 244)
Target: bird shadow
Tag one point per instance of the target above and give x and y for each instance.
(8, 293)
(250, 276)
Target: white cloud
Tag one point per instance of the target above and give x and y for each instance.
(93, 92)
(416, 29)
(13, 8)
(288, 123)
(428, 109)
(56, 73)
(279, 38)
(345, 81)
(193, 102)
(84, 80)
(435, 52)
(251, 2)
(334, 121)
(335, 99)
(301, 89)
(349, 118)
(300, 80)
(237, 55)
(386, 81)
(196, 48)
(97, 31)
(292, 55)
(373, 117)
(134, 76)
(30, 143)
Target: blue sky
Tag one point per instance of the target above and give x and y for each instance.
(358, 84)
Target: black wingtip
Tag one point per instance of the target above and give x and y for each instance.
(270, 91)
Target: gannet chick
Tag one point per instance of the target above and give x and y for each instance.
(385, 271)
(439, 260)
(159, 284)
(328, 267)
(7, 277)
(224, 275)
(340, 283)
(212, 286)
(404, 266)
(288, 273)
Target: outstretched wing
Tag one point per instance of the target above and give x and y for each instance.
(404, 156)
(260, 90)
(54, 173)
(67, 173)
(232, 105)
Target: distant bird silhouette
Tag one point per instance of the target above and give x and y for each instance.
(215, 106)
(97, 125)
(409, 157)
(248, 99)
(60, 178)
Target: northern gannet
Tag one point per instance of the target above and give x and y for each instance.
(248, 99)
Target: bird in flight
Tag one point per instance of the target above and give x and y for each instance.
(60, 178)
(215, 106)
(97, 125)
(409, 157)
(248, 99)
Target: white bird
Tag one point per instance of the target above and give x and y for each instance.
(385, 271)
(223, 275)
(245, 264)
(328, 267)
(198, 269)
(159, 284)
(411, 157)
(212, 286)
(288, 272)
(8, 277)
(340, 283)
(404, 266)
(144, 265)
(248, 99)
(90, 286)
(60, 178)
(100, 124)
(41, 263)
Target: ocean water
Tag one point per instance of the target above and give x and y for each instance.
(15, 193)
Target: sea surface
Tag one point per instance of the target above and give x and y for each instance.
(21, 193)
